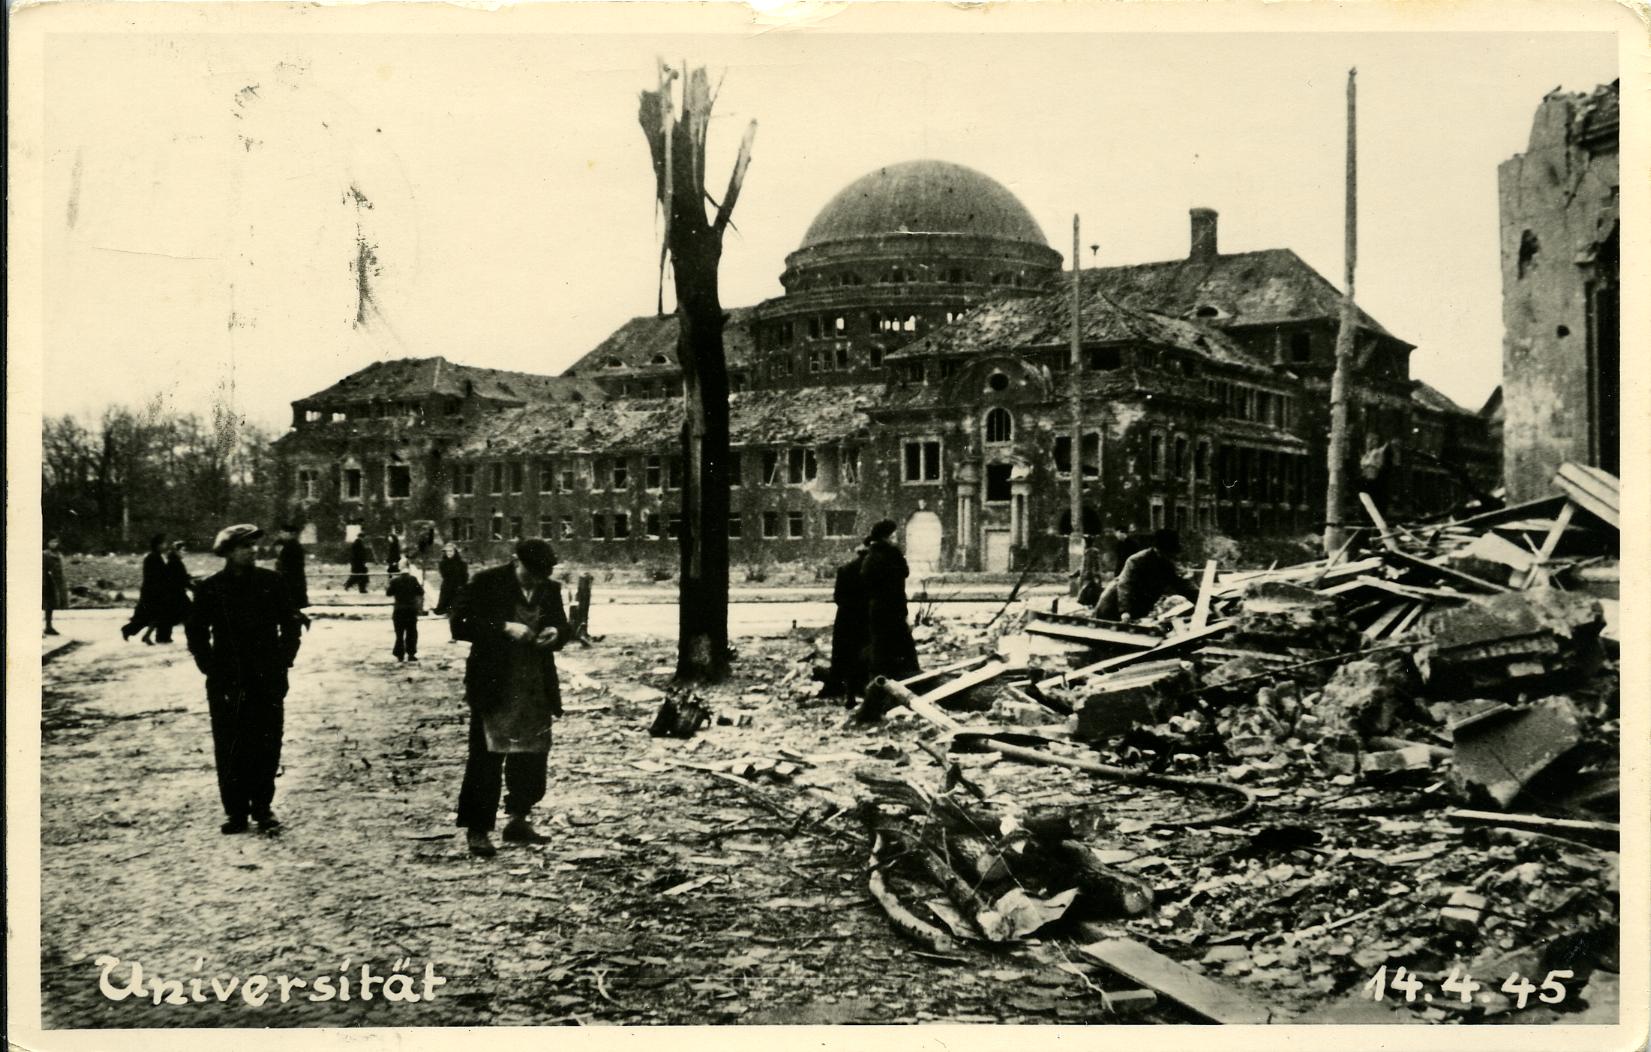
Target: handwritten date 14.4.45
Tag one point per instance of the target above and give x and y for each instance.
(1408, 983)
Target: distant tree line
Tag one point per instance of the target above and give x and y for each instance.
(109, 484)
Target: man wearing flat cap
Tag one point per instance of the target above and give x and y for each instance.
(512, 616)
(244, 633)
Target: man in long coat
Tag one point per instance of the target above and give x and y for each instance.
(360, 556)
(146, 615)
(455, 574)
(890, 649)
(244, 633)
(289, 563)
(1147, 576)
(848, 630)
(513, 618)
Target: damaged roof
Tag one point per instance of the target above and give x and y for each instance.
(774, 417)
(1597, 115)
(1267, 287)
(648, 343)
(407, 378)
(1012, 322)
(1427, 396)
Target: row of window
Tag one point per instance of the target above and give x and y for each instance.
(621, 526)
(840, 326)
(900, 275)
(793, 466)
(1243, 402)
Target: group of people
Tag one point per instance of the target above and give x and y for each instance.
(361, 557)
(163, 595)
(871, 633)
(246, 626)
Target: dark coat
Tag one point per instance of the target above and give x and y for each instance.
(289, 563)
(54, 587)
(455, 574)
(393, 555)
(848, 629)
(175, 592)
(891, 651)
(152, 592)
(243, 630)
(360, 555)
(1126, 546)
(479, 616)
(1147, 577)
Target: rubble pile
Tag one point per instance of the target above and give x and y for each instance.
(1424, 731)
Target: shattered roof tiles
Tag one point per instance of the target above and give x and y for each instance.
(808, 415)
(418, 377)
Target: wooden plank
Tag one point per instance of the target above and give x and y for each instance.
(1595, 491)
(1407, 620)
(1511, 513)
(1176, 645)
(1410, 591)
(1411, 562)
(1203, 997)
(985, 674)
(1535, 823)
(1383, 534)
(946, 670)
(1549, 543)
(1379, 627)
(1201, 609)
(1091, 634)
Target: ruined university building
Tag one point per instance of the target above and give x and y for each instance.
(918, 366)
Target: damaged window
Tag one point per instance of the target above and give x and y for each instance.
(794, 529)
(518, 476)
(567, 527)
(1155, 455)
(998, 486)
(801, 466)
(352, 483)
(398, 481)
(1529, 249)
(1091, 454)
(840, 523)
(462, 530)
(770, 467)
(770, 525)
(598, 526)
(621, 525)
(515, 528)
(922, 461)
(736, 526)
(849, 467)
(653, 472)
(495, 479)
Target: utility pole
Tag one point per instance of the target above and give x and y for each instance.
(1074, 540)
(1335, 497)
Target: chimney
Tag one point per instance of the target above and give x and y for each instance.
(1203, 234)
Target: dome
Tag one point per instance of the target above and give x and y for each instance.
(924, 197)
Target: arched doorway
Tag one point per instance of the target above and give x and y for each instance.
(923, 537)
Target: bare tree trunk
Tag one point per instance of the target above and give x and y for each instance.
(694, 244)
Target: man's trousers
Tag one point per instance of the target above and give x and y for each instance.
(246, 743)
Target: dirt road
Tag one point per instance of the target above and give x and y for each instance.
(666, 896)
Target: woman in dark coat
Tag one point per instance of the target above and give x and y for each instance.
(174, 604)
(847, 676)
(146, 615)
(890, 649)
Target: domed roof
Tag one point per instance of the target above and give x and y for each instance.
(928, 197)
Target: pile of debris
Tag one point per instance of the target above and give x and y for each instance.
(1467, 665)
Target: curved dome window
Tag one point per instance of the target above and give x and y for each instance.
(613, 363)
(660, 359)
(1000, 426)
(998, 382)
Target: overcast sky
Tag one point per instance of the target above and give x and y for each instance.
(200, 231)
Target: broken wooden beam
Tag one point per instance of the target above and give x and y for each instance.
(1071, 629)
(1537, 824)
(1169, 647)
(945, 670)
(904, 921)
(989, 671)
(1549, 543)
(889, 694)
(1386, 536)
(1201, 996)
(1596, 491)
(1101, 888)
(1206, 593)
(1434, 566)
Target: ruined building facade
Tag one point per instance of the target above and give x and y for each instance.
(1561, 358)
(918, 367)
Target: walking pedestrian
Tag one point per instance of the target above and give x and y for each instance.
(244, 633)
(174, 604)
(847, 674)
(890, 649)
(360, 556)
(408, 594)
(513, 618)
(147, 612)
(54, 587)
(289, 563)
(392, 550)
(455, 574)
